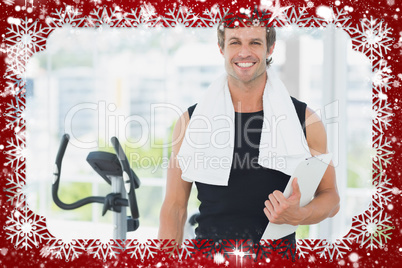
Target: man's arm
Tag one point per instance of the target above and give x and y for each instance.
(173, 213)
(325, 203)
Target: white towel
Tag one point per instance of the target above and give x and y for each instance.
(206, 153)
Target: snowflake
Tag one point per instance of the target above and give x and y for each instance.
(147, 12)
(373, 38)
(331, 250)
(383, 154)
(263, 249)
(256, 22)
(26, 229)
(183, 251)
(383, 189)
(142, 250)
(285, 249)
(300, 18)
(277, 11)
(291, 16)
(376, 203)
(213, 16)
(16, 59)
(24, 35)
(341, 19)
(211, 248)
(16, 151)
(381, 77)
(15, 111)
(68, 251)
(105, 250)
(23, 40)
(73, 11)
(182, 16)
(382, 113)
(14, 190)
(43, 11)
(134, 18)
(45, 251)
(257, 18)
(304, 248)
(15, 83)
(372, 228)
(67, 16)
(105, 16)
(337, 17)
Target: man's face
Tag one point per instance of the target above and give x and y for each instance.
(245, 52)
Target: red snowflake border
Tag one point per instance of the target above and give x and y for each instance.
(372, 229)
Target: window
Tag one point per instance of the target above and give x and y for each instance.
(118, 82)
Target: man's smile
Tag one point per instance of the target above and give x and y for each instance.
(245, 64)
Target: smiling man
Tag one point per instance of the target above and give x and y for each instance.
(238, 201)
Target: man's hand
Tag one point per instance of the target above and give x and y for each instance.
(280, 210)
(325, 203)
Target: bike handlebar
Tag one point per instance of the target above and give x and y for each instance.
(133, 181)
(62, 149)
(55, 187)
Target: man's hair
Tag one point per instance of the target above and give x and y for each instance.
(270, 37)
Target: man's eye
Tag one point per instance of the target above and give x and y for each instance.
(256, 43)
(234, 43)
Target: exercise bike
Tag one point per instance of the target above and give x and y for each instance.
(116, 171)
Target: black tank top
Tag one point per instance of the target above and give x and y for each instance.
(236, 211)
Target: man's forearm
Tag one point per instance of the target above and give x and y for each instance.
(172, 224)
(324, 205)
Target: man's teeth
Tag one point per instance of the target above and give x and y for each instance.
(245, 64)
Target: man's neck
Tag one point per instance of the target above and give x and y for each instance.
(247, 97)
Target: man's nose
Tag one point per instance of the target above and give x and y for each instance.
(244, 51)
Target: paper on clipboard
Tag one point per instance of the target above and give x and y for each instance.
(309, 174)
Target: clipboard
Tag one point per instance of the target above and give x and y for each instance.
(309, 174)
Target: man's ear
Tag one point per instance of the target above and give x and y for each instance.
(271, 50)
(220, 49)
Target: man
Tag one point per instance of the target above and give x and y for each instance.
(253, 195)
